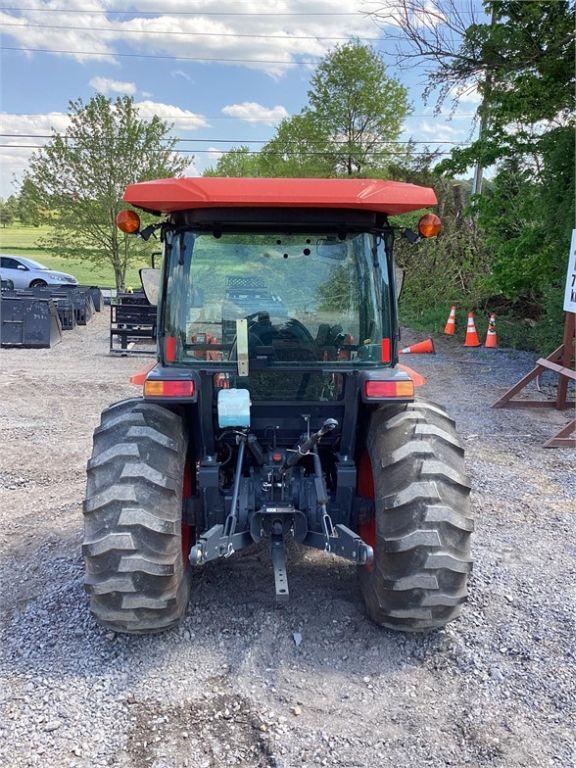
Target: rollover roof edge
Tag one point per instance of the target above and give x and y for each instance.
(170, 195)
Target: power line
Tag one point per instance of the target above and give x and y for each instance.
(166, 33)
(153, 56)
(137, 12)
(226, 117)
(379, 153)
(242, 141)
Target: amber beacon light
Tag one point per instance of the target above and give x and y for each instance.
(429, 225)
(128, 222)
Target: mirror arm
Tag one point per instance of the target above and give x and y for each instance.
(411, 236)
(148, 231)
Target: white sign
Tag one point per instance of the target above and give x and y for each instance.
(570, 292)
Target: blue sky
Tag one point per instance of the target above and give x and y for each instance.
(223, 103)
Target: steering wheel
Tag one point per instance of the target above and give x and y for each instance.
(297, 337)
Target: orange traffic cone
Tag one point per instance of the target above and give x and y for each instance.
(422, 348)
(491, 337)
(472, 339)
(416, 377)
(450, 327)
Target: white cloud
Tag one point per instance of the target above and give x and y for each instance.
(272, 43)
(468, 94)
(41, 123)
(107, 85)
(14, 160)
(183, 119)
(214, 153)
(440, 131)
(180, 73)
(252, 112)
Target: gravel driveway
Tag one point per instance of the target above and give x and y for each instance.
(243, 684)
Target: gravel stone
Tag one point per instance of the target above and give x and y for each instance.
(494, 689)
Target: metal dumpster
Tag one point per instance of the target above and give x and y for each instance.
(27, 321)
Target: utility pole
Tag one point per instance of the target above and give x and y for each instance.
(483, 109)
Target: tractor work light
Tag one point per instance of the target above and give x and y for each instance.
(381, 390)
(429, 225)
(169, 388)
(128, 222)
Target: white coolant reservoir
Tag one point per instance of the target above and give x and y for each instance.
(233, 408)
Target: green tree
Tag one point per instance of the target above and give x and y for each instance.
(357, 105)
(300, 148)
(519, 56)
(8, 210)
(528, 135)
(78, 178)
(240, 161)
(28, 212)
(354, 111)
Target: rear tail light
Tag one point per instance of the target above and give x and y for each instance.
(180, 388)
(377, 390)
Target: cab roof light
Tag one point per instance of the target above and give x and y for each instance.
(128, 222)
(379, 390)
(169, 388)
(429, 225)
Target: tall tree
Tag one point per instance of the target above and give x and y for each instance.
(8, 210)
(359, 108)
(28, 211)
(79, 177)
(354, 111)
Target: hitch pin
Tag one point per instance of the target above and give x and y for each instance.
(329, 530)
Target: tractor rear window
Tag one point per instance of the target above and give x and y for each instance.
(304, 298)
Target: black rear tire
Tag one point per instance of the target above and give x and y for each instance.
(418, 580)
(137, 574)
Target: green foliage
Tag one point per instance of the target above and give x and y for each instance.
(528, 213)
(354, 109)
(300, 148)
(356, 105)
(511, 252)
(239, 161)
(8, 210)
(77, 180)
(28, 212)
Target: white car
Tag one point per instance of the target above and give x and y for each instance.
(27, 273)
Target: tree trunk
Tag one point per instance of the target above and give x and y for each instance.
(119, 267)
(118, 276)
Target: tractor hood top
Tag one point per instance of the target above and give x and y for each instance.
(170, 195)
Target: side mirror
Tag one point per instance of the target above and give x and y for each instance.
(150, 279)
(399, 280)
(22, 268)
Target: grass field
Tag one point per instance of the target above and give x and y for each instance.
(23, 241)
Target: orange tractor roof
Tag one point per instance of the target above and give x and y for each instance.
(169, 195)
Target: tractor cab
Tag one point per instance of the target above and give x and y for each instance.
(277, 387)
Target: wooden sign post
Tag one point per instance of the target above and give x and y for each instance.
(561, 361)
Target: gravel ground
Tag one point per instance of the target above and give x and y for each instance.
(242, 684)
